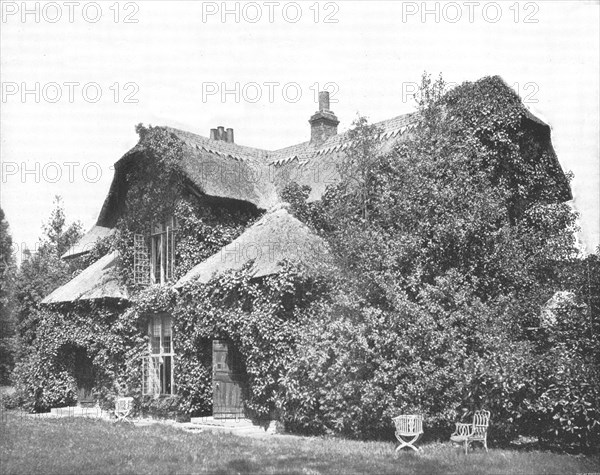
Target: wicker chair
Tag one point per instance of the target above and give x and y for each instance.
(408, 426)
(475, 432)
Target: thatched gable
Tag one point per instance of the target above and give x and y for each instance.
(542, 131)
(100, 280)
(87, 242)
(277, 236)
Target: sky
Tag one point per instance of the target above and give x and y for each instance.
(76, 77)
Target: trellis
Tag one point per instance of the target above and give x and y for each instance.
(141, 261)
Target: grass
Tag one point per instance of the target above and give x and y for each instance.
(75, 446)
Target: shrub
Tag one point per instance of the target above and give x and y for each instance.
(162, 407)
(359, 366)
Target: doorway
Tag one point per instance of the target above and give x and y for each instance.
(229, 381)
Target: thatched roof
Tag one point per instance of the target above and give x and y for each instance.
(227, 171)
(96, 281)
(230, 171)
(273, 238)
(86, 243)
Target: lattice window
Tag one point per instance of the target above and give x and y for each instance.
(141, 261)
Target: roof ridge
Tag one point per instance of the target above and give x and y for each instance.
(306, 144)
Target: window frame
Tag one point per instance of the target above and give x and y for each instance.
(162, 250)
(157, 381)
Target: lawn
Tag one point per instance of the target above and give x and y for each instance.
(65, 446)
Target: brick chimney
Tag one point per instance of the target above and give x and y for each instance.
(221, 134)
(323, 124)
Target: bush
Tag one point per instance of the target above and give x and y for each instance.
(359, 366)
(162, 407)
(569, 399)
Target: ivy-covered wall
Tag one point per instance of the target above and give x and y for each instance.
(113, 334)
(107, 331)
(261, 317)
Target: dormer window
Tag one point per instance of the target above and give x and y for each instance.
(162, 251)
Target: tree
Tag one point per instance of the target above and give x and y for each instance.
(7, 278)
(459, 193)
(44, 271)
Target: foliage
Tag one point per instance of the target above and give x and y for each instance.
(448, 247)
(107, 333)
(7, 280)
(205, 229)
(261, 317)
(570, 401)
(440, 201)
(163, 407)
(154, 183)
(99, 249)
(359, 365)
(155, 299)
(358, 171)
(44, 271)
(158, 190)
(582, 276)
(58, 237)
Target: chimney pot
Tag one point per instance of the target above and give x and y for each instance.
(230, 135)
(221, 132)
(213, 134)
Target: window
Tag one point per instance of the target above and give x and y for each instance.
(158, 366)
(162, 251)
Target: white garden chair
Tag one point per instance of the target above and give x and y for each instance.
(123, 409)
(408, 426)
(475, 432)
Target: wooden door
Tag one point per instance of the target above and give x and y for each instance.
(229, 381)
(85, 377)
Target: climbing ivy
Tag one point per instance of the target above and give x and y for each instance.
(261, 317)
(112, 332)
(107, 332)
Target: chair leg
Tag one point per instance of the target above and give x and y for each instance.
(409, 443)
(466, 446)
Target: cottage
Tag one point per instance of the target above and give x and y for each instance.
(223, 175)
